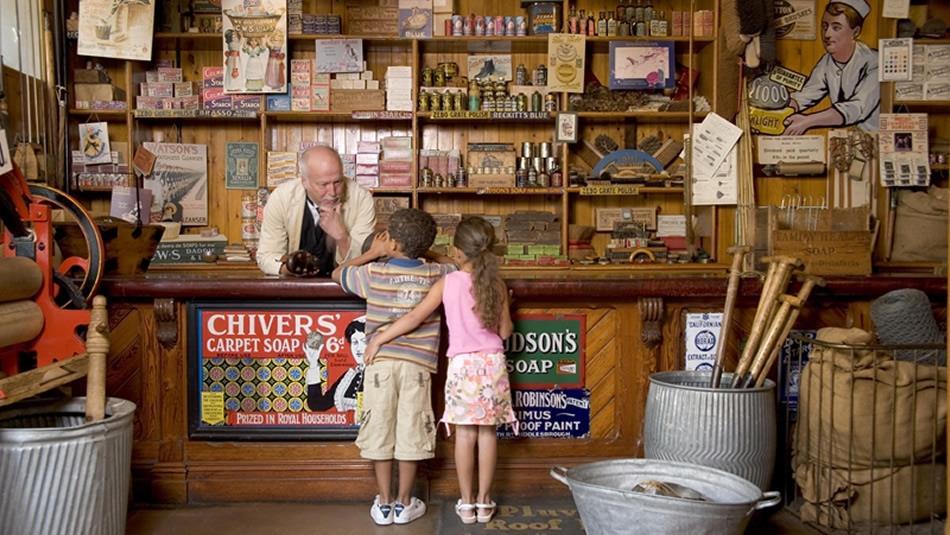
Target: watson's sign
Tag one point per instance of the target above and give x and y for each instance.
(547, 351)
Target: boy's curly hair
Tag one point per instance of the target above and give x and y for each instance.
(414, 231)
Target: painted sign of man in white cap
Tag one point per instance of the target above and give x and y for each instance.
(846, 74)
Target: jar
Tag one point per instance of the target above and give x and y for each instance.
(541, 75)
(435, 102)
(544, 17)
(521, 75)
(427, 77)
(423, 101)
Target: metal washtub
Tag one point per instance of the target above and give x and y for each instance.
(608, 505)
(729, 429)
(61, 475)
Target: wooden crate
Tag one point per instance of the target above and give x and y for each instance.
(350, 100)
(835, 242)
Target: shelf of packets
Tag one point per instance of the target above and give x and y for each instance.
(528, 236)
(386, 163)
(165, 94)
(312, 91)
(101, 175)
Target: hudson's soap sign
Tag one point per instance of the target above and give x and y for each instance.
(277, 371)
(547, 351)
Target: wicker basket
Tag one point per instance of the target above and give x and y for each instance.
(254, 25)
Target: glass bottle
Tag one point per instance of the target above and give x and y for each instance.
(602, 24)
(474, 96)
(648, 12)
(638, 12)
(624, 28)
(532, 177)
(521, 177)
(621, 10)
(591, 24)
(521, 74)
(572, 21)
(612, 26)
(631, 13)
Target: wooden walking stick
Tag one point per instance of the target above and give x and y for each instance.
(809, 282)
(738, 253)
(780, 268)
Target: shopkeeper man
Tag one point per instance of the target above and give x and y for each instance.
(324, 213)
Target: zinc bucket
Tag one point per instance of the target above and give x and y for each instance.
(729, 429)
(62, 475)
(607, 504)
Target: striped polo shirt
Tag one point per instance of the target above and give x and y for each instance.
(392, 289)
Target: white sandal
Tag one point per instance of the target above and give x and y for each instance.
(461, 508)
(485, 518)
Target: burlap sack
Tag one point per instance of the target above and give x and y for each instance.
(920, 226)
(860, 409)
(856, 499)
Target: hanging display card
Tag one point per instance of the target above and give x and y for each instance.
(255, 46)
(116, 29)
(903, 149)
(566, 62)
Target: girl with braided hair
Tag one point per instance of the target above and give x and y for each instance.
(477, 390)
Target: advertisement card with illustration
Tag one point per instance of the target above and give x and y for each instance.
(494, 67)
(94, 143)
(339, 55)
(566, 62)
(120, 29)
(241, 170)
(635, 65)
(415, 19)
(275, 371)
(702, 339)
(903, 149)
(795, 19)
(6, 159)
(179, 183)
(255, 46)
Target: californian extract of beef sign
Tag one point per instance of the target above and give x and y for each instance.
(550, 414)
(547, 351)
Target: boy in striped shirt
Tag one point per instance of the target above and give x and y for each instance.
(397, 419)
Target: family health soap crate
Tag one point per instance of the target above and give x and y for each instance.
(830, 241)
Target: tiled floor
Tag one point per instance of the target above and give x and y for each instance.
(329, 519)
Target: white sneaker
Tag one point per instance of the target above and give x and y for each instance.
(382, 513)
(407, 513)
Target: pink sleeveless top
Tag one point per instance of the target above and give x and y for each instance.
(466, 334)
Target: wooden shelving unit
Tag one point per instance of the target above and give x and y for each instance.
(287, 130)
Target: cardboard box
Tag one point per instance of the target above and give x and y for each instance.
(320, 98)
(169, 74)
(395, 181)
(184, 89)
(97, 92)
(158, 89)
(90, 76)
(278, 102)
(348, 100)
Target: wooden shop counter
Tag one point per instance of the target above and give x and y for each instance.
(632, 325)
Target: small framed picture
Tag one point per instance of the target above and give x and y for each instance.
(642, 65)
(566, 131)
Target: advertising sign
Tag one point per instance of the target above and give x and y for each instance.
(276, 371)
(547, 351)
(702, 340)
(550, 414)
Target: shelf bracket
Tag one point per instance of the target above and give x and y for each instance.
(166, 320)
(651, 321)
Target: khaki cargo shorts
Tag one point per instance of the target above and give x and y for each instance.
(397, 420)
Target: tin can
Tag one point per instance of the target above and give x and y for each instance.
(536, 102)
(489, 26)
(458, 25)
(509, 26)
(423, 104)
(521, 75)
(427, 77)
(550, 102)
(479, 26)
(440, 78)
(544, 151)
(249, 205)
(248, 229)
(521, 26)
(470, 25)
(541, 75)
(447, 101)
(499, 25)
(447, 27)
(457, 101)
(435, 102)
(527, 151)
(522, 104)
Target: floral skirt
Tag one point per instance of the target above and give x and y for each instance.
(477, 391)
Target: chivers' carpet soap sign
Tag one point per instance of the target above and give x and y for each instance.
(547, 351)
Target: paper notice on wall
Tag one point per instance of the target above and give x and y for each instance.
(903, 148)
(702, 339)
(668, 226)
(715, 137)
(771, 150)
(895, 9)
(720, 188)
(895, 60)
